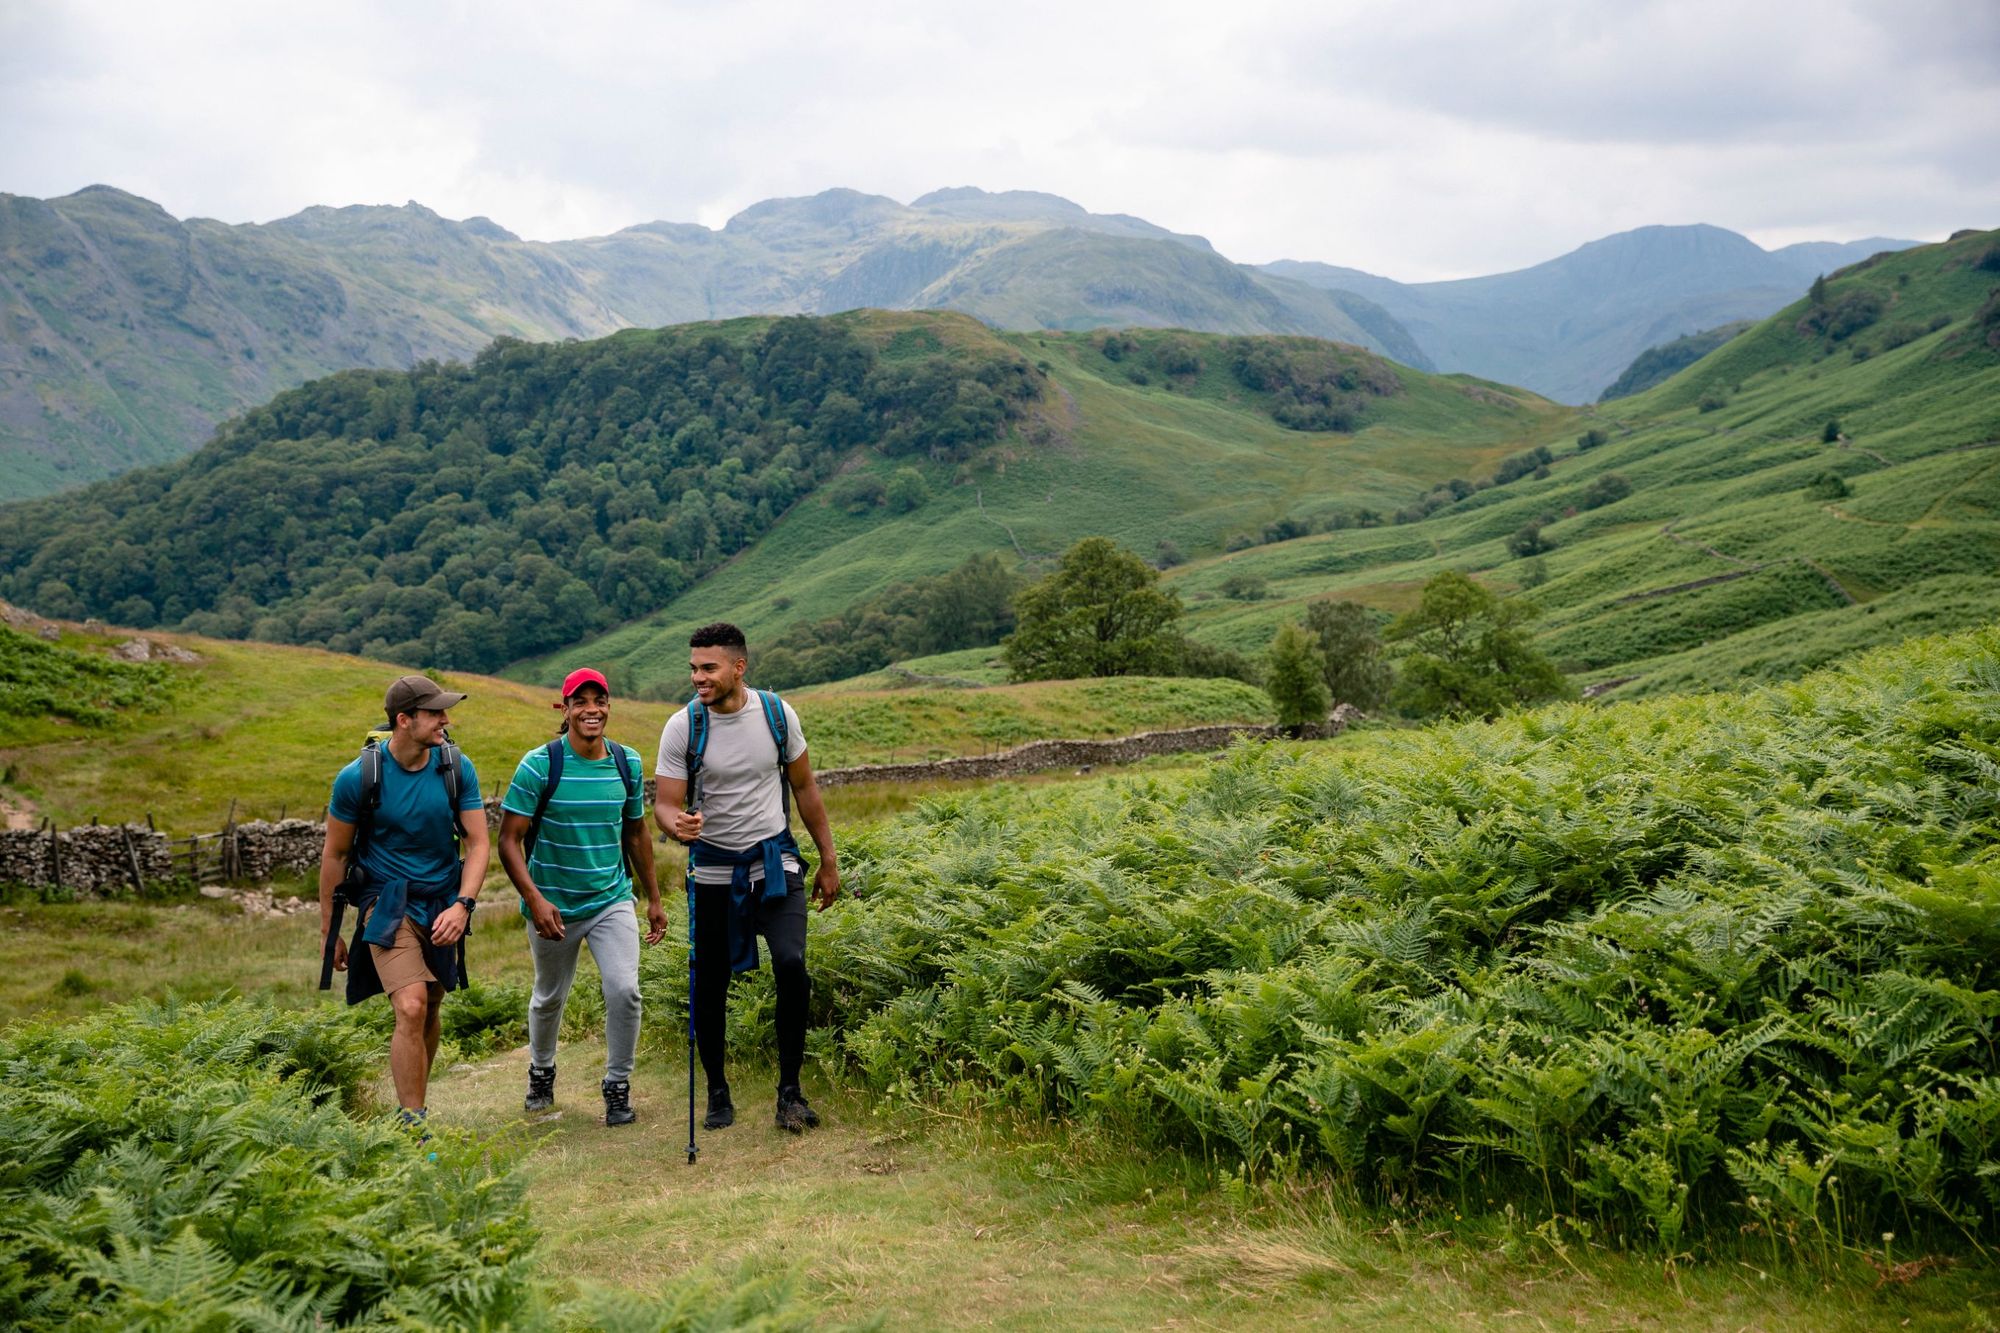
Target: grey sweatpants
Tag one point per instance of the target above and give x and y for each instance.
(614, 945)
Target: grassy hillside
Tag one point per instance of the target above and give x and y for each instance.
(1656, 364)
(1725, 560)
(1145, 436)
(266, 726)
(126, 335)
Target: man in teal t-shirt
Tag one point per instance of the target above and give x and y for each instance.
(574, 887)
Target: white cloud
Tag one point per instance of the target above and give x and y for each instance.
(1418, 142)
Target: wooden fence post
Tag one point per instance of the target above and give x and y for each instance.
(132, 860)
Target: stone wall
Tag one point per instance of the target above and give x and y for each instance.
(91, 860)
(1036, 756)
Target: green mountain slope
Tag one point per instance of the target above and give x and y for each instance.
(1730, 558)
(1120, 447)
(466, 515)
(1566, 328)
(126, 335)
(1656, 364)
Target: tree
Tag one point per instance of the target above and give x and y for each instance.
(1356, 672)
(1528, 540)
(906, 490)
(1101, 613)
(1830, 434)
(1470, 653)
(1607, 489)
(1816, 294)
(1295, 678)
(1245, 587)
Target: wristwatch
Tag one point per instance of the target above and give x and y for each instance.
(467, 903)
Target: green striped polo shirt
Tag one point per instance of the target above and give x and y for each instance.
(578, 862)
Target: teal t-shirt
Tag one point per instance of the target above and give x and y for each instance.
(579, 861)
(412, 836)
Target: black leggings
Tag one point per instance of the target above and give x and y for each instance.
(783, 925)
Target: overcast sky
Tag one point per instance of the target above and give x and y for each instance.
(1416, 141)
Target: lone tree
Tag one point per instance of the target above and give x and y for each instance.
(1470, 654)
(1356, 672)
(1295, 678)
(1101, 613)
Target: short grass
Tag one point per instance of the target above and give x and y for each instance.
(1914, 548)
(944, 1217)
(264, 728)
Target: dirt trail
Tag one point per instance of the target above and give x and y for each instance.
(19, 812)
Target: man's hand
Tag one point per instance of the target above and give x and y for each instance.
(826, 885)
(656, 922)
(449, 928)
(547, 920)
(685, 825)
(339, 951)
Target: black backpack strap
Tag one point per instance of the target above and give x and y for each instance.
(633, 791)
(554, 750)
(625, 774)
(449, 756)
(371, 799)
(364, 823)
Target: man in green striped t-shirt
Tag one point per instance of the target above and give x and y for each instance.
(574, 886)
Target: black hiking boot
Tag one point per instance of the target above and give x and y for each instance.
(793, 1113)
(618, 1102)
(541, 1088)
(721, 1111)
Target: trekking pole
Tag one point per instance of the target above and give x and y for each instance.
(692, 1150)
(694, 804)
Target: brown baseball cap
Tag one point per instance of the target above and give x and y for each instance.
(411, 693)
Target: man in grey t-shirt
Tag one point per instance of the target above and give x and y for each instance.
(737, 827)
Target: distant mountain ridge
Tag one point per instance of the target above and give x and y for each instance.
(126, 334)
(1568, 327)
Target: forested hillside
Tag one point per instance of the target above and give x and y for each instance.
(467, 514)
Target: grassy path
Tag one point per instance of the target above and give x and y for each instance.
(932, 1220)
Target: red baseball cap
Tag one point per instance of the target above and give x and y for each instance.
(583, 676)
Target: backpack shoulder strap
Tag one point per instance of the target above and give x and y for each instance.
(449, 769)
(625, 773)
(553, 751)
(371, 795)
(774, 718)
(697, 745)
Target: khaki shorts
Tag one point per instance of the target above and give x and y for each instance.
(402, 963)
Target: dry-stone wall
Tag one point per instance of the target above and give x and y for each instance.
(97, 859)
(1039, 755)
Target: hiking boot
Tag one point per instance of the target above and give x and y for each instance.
(721, 1111)
(793, 1113)
(618, 1103)
(541, 1088)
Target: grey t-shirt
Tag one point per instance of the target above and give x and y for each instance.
(741, 803)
